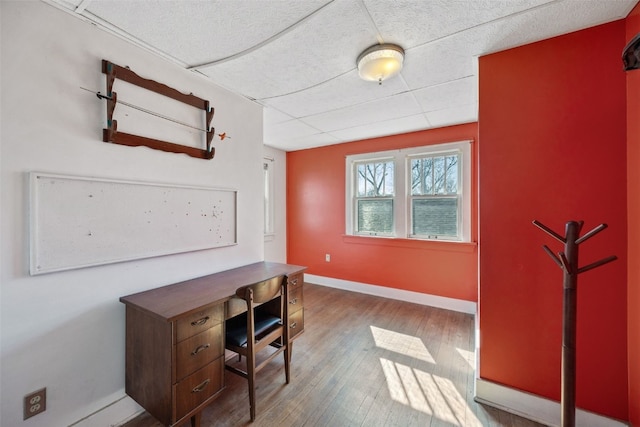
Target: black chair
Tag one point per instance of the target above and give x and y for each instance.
(262, 325)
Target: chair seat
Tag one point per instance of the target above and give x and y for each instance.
(236, 333)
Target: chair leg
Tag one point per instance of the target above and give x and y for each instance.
(251, 378)
(195, 420)
(287, 362)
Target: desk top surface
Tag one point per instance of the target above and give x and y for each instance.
(173, 301)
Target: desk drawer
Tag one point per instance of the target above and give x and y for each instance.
(296, 301)
(199, 322)
(198, 387)
(296, 323)
(295, 281)
(195, 352)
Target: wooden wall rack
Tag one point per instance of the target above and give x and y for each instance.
(111, 134)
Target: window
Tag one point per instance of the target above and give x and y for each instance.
(374, 198)
(269, 207)
(416, 193)
(434, 199)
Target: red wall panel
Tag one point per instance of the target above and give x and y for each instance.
(633, 201)
(552, 132)
(316, 194)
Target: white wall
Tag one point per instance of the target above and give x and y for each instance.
(65, 331)
(275, 246)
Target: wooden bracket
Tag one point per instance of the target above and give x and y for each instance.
(210, 131)
(111, 134)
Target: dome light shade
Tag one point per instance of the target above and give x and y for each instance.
(379, 62)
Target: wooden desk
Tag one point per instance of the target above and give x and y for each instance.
(175, 338)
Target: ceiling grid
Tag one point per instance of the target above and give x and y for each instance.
(298, 58)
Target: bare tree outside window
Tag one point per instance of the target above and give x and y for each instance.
(374, 201)
(434, 191)
(375, 179)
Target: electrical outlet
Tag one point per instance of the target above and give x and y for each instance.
(35, 402)
(327, 257)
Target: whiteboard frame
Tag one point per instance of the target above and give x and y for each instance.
(35, 229)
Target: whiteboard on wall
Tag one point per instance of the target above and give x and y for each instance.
(80, 222)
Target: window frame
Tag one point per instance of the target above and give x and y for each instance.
(457, 195)
(268, 200)
(357, 198)
(402, 199)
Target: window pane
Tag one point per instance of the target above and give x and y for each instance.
(438, 175)
(452, 174)
(433, 217)
(422, 176)
(375, 179)
(375, 216)
(416, 169)
(388, 179)
(362, 183)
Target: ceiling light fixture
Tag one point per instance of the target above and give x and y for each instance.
(379, 62)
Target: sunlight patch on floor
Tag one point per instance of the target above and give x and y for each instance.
(428, 393)
(402, 344)
(469, 356)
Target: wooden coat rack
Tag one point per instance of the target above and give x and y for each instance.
(568, 262)
(111, 134)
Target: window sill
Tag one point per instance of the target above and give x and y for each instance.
(435, 245)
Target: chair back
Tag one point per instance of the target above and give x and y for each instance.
(261, 292)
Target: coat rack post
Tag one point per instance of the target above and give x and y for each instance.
(569, 320)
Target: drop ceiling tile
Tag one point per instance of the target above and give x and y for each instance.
(411, 23)
(370, 113)
(383, 128)
(301, 143)
(273, 116)
(447, 95)
(195, 31)
(344, 91)
(437, 63)
(543, 23)
(454, 115)
(288, 129)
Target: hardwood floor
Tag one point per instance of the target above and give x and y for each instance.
(365, 361)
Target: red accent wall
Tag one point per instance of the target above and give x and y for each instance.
(552, 129)
(316, 193)
(633, 209)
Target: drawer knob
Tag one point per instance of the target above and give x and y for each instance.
(200, 348)
(293, 325)
(200, 322)
(293, 301)
(201, 386)
(293, 282)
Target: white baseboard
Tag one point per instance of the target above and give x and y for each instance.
(535, 408)
(397, 294)
(123, 409)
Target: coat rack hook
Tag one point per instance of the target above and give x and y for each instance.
(565, 263)
(552, 255)
(549, 231)
(597, 264)
(591, 233)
